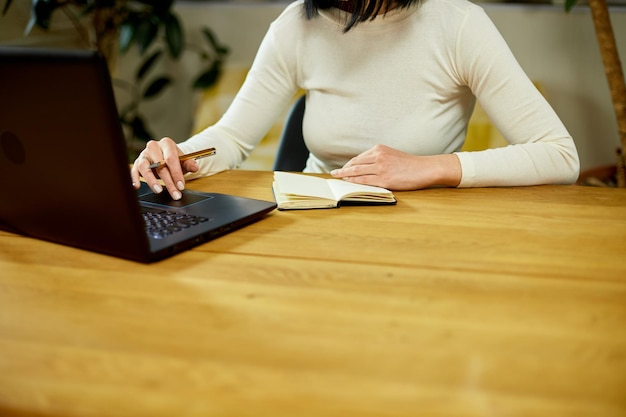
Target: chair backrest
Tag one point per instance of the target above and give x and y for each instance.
(292, 153)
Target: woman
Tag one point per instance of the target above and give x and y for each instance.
(391, 85)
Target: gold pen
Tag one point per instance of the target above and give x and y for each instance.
(194, 155)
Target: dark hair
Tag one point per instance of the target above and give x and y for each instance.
(362, 10)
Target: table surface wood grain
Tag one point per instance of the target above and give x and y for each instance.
(454, 302)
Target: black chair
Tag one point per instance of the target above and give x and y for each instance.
(292, 152)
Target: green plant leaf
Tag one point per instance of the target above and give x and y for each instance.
(146, 34)
(127, 35)
(174, 35)
(221, 50)
(156, 87)
(147, 64)
(208, 34)
(7, 4)
(140, 131)
(209, 77)
(160, 7)
(41, 14)
(569, 4)
(128, 30)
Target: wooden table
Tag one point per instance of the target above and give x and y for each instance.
(475, 302)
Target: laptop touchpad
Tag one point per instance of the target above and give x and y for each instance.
(164, 199)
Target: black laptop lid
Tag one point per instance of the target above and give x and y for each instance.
(63, 166)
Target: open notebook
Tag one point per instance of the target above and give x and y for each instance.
(301, 191)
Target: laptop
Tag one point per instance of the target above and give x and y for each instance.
(64, 170)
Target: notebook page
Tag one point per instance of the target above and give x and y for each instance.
(299, 184)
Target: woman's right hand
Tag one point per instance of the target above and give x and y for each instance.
(171, 173)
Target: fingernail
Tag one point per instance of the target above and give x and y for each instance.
(180, 185)
(333, 172)
(157, 188)
(177, 195)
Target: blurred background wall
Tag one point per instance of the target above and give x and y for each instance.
(557, 50)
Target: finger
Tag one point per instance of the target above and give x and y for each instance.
(134, 176)
(369, 179)
(355, 170)
(366, 157)
(166, 177)
(142, 165)
(156, 151)
(354, 161)
(152, 153)
(190, 166)
(173, 177)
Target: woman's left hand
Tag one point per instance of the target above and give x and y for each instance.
(386, 167)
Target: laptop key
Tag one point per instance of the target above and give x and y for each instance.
(160, 224)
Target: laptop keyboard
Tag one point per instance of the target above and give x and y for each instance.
(160, 224)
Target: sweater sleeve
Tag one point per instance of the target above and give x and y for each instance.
(263, 97)
(541, 150)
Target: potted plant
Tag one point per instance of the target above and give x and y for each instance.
(615, 77)
(112, 26)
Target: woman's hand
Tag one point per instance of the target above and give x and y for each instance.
(171, 173)
(389, 168)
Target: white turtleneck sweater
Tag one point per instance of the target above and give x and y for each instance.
(407, 79)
